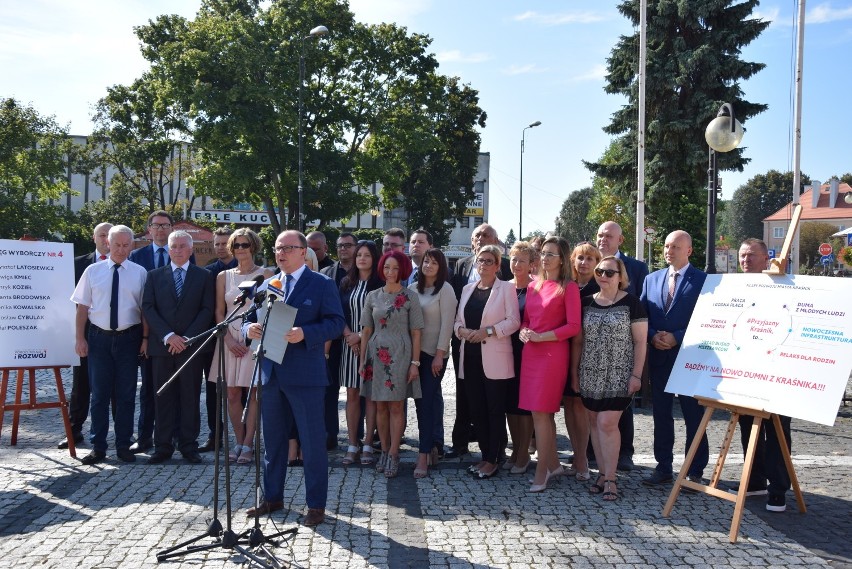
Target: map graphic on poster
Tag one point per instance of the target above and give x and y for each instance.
(780, 344)
(36, 313)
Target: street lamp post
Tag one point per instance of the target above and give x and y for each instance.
(315, 32)
(723, 134)
(521, 196)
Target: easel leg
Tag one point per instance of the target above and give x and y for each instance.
(63, 407)
(693, 448)
(16, 414)
(3, 386)
(739, 504)
(723, 451)
(788, 462)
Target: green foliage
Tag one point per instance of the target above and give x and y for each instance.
(510, 239)
(573, 223)
(758, 198)
(693, 66)
(811, 235)
(34, 157)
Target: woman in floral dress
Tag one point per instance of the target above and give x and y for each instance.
(390, 350)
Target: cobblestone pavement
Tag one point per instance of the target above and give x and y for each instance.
(54, 512)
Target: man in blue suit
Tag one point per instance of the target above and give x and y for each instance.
(669, 296)
(610, 238)
(294, 390)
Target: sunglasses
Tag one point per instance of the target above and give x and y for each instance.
(242, 245)
(366, 242)
(608, 272)
(486, 262)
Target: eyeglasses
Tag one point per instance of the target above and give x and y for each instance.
(159, 225)
(393, 245)
(608, 272)
(242, 245)
(345, 245)
(549, 255)
(287, 248)
(486, 262)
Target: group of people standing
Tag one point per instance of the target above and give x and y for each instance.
(547, 326)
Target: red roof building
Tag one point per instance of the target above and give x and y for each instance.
(831, 203)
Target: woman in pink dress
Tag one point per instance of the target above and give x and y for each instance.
(552, 315)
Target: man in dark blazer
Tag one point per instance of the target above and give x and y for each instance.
(178, 303)
(464, 273)
(153, 256)
(669, 296)
(78, 406)
(610, 239)
(293, 391)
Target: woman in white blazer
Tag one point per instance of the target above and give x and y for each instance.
(486, 318)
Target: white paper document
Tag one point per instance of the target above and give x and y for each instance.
(280, 322)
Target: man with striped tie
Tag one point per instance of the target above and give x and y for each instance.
(178, 303)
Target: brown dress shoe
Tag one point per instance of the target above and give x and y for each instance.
(265, 508)
(315, 517)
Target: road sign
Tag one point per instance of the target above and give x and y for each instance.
(771, 253)
(827, 259)
(825, 249)
(650, 231)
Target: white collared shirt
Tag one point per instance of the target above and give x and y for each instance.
(296, 275)
(95, 291)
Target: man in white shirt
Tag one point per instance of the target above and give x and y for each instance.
(109, 299)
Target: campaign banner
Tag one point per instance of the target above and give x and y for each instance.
(36, 313)
(782, 344)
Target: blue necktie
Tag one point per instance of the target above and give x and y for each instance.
(113, 301)
(178, 281)
(161, 258)
(288, 286)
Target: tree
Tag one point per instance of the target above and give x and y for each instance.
(238, 82)
(510, 239)
(693, 66)
(572, 223)
(140, 138)
(34, 157)
(811, 234)
(758, 198)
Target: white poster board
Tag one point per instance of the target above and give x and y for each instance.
(36, 315)
(782, 344)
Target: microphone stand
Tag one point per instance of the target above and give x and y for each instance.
(224, 538)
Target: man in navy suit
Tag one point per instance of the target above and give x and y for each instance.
(293, 391)
(78, 406)
(610, 238)
(178, 303)
(669, 296)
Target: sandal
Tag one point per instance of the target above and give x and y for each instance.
(583, 476)
(351, 456)
(392, 466)
(235, 453)
(367, 457)
(597, 487)
(380, 464)
(609, 495)
(246, 455)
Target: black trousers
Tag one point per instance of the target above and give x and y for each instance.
(463, 425)
(768, 458)
(177, 408)
(487, 398)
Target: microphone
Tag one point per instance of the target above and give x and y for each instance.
(259, 297)
(247, 289)
(274, 291)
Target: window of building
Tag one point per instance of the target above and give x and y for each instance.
(778, 232)
(477, 221)
(465, 222)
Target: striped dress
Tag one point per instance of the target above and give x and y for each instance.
(353, 304)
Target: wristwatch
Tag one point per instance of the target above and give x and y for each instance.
(489, 330)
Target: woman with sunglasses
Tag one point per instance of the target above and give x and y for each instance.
(243, 245)
(551, 317)
(391, 323)
(606, 364)
(584, 258)
(486, 318)
(362, 278)
(439, 312)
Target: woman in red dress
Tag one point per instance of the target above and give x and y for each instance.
(552, 315)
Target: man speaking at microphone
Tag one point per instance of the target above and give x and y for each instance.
(294, 390)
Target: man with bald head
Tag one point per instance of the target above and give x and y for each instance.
(610, 239)
(318, 244)
(669, 296)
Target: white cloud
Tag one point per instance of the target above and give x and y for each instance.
(456, 56)
(597, 73)
(523, 69)
(824, 14)
(559, 19)
(402, 12)
(768, 16)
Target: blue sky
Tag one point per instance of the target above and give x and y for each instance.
(530, 61)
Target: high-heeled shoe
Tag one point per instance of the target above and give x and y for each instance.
(516, 469)
(535, 488)
(482, 475)
(246, 455)
(392, 466)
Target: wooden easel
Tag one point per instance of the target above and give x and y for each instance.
(19, 406)
(712, 489)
